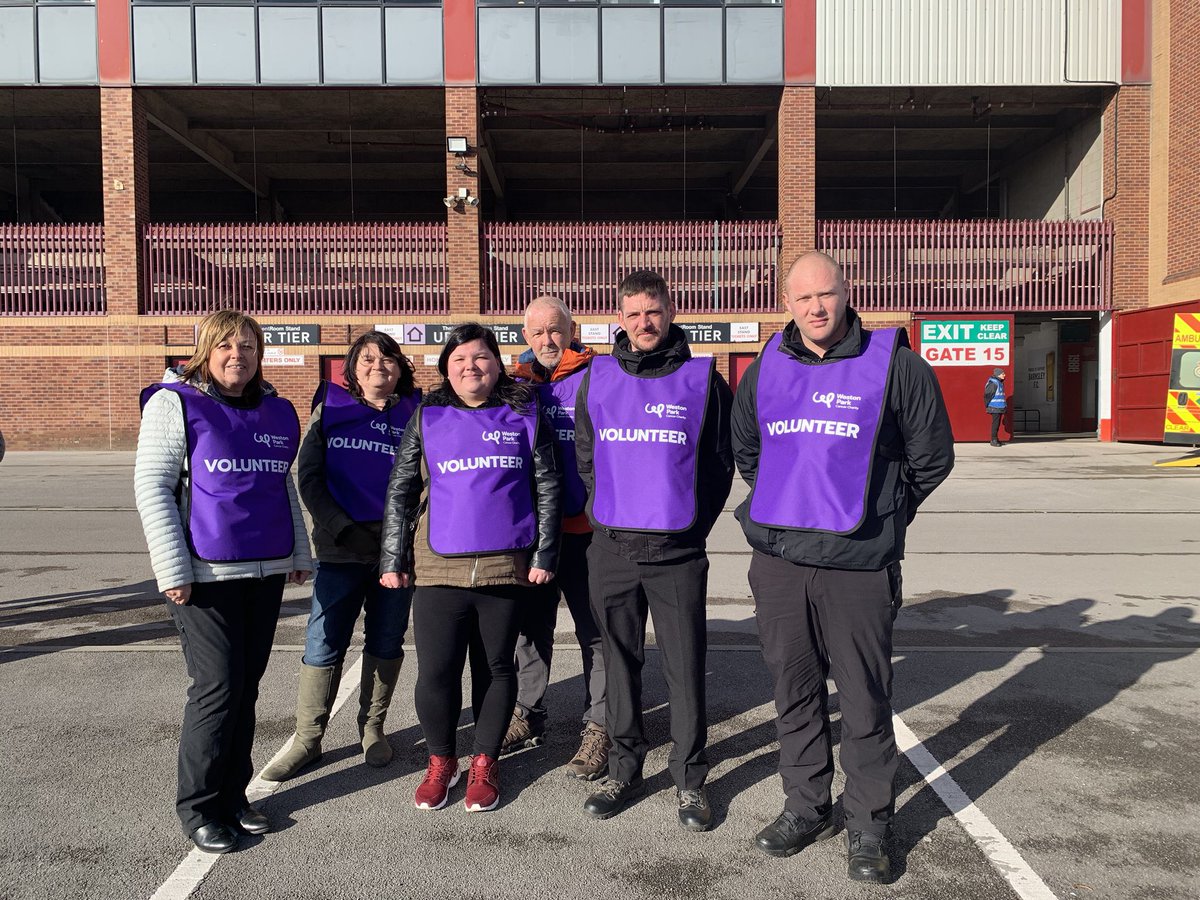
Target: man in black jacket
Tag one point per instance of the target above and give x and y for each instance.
(847, 432)
(652, 445)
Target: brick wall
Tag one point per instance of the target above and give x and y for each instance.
(797, 172)
(1127, 192)
(462, 233)
(1183, 162)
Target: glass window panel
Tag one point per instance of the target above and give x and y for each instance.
(569, 43)
(16, 44)
(693, 45)
(507, 46)
(632, 46)
(287, 45)
(414, 46)
(67, 44)
(162, 45)
(754, 46)
(352, 44)
(225, 45)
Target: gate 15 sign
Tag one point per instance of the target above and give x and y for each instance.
(965, 342)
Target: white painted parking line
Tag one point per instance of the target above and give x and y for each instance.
(196, 865)
(995, 846)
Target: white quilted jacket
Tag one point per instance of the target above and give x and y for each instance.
(161, 459)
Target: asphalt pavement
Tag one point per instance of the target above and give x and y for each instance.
(1045, 689)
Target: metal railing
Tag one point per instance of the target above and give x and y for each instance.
(302, 268)
(726, 267)
(973, 265)
(51, 270)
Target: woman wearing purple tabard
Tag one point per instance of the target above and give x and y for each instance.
(471, 518)
(213, 485)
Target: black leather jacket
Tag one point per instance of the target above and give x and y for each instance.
(409, 482)
(715, 461)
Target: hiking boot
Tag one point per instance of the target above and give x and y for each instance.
(790, 833)
(523, 731)
(694, 812)
(483, 784)
(612, 797)
(441, 775)
(591, 759)
(867, 858)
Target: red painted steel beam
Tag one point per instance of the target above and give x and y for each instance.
(1135, 41)
(458, 41)
(799, 41)
(114, 39)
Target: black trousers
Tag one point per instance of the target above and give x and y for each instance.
(997, 418)
(446, 620)
(535, 643)
(226, 630)
(674, 594)
(813, 623)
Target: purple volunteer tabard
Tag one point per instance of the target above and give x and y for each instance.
(481, 488)
(815, 420)
(238, 462)
(650, 427)
(360, 447)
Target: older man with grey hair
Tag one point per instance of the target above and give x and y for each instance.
(555, 367)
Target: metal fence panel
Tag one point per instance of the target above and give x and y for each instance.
(51, 270)
(370, 269)
(987, 265)
(726, 267)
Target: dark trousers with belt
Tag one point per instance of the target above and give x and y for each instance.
(535, 644)
(674, 594)
(226, 630)
(813, 623)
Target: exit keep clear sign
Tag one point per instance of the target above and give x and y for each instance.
(965, 342)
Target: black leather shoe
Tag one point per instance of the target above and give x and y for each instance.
(694, 812)
(789, 834)
(612, 796)
(214, 838)
(251, 821)
(868, 859)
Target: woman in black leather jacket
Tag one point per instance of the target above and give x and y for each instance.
(472, 519)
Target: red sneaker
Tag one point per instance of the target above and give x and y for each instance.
(483, 784)
(441, 775)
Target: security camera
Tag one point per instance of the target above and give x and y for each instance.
(450, 201)
(472, 201)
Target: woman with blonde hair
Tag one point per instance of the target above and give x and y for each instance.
(223, 525)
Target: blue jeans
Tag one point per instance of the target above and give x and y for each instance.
(340, 592)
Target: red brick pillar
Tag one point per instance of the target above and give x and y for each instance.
(1127, 192)
(126, 187)
(462, 221)
(797, 172)
(126, 194)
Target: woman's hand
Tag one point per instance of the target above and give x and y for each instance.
(539, 576)
(299, 576)
(395, 580)
(179, 595)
